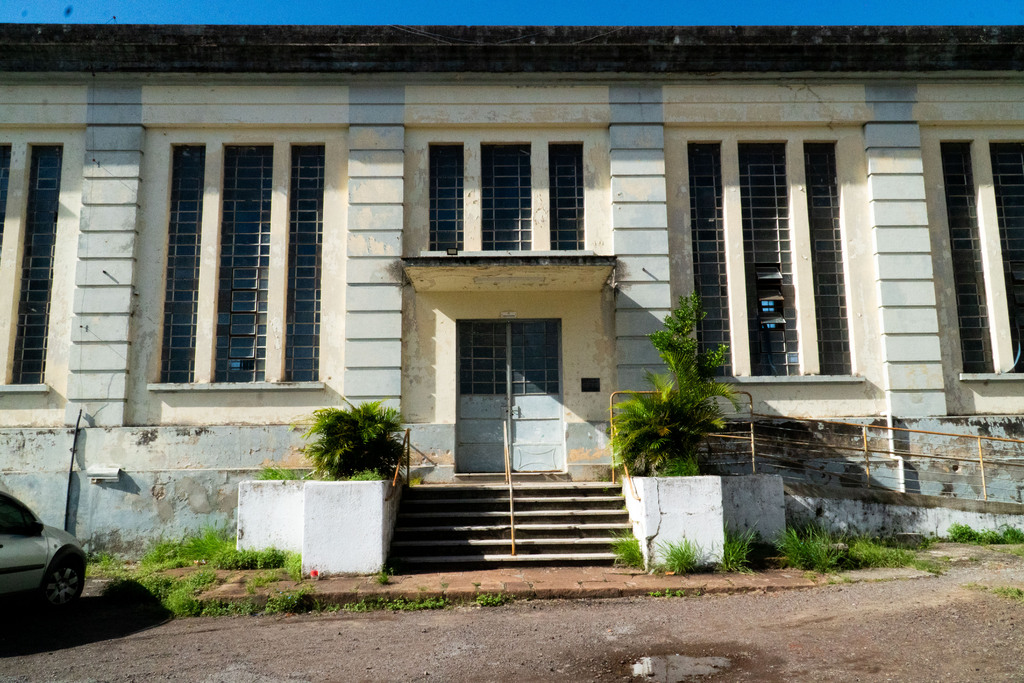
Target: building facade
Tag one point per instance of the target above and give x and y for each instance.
(210, 232)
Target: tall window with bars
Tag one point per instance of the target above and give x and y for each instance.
(446, 202)
(506, 197)
(5, 174)
(1008, 181)
(305, 246)
(965, 250)
(827, 258)
(565, 171)
(181, 298)
(33, 323)
(707, 234)
(244, 264)
(769, 259)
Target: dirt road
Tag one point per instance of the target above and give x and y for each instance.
(946, 628)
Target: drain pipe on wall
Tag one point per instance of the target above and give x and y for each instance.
(901, 480)
(71, 468)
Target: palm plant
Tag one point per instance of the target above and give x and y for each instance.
(354, 439)
(660, 431)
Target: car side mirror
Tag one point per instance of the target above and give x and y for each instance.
(33, 529)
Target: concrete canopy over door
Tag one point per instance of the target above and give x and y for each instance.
(510, 377)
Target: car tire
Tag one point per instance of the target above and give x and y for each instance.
(63, 582)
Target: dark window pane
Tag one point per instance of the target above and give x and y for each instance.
(306, 227)
(827, 258)
(188, 174)
(506, 204)
(446, 184)
(37, 265)
(708, 239)
(1008, 178)
(965, 251)
(565, 170)
(244, 264)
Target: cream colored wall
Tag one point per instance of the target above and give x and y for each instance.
(153, 403)
(39, 405)
(430, 361)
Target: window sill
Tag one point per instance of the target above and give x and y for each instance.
(795, 379)
(992, 377)
(236, 387)
(24, 389)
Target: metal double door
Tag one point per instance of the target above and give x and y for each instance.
(510, 377)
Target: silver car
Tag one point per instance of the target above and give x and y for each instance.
(37, 557)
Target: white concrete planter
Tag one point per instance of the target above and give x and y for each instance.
(670, 509)
(340, 527)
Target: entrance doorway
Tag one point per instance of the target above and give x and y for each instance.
(510, 375)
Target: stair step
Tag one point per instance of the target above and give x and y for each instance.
(505, 541)
(505, 513)
(545, 557)
(518, 499)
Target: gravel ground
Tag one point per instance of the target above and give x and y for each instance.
(946, 628)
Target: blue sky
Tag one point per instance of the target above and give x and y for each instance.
(594, 12)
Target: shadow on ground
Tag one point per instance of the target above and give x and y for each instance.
(27, 627)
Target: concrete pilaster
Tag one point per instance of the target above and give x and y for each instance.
(105, 271)
(908, 319)
(639, 229)
(373, 292)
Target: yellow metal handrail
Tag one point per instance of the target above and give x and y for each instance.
(511, 494)
(404, 460)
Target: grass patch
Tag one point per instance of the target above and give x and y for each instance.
(1015, 594)
(627, 551)
(680, 467)
(396, 604)
(1005, 535)
(214, 547)
(367, 475)
(293, 601)
(736, 551)
(104, 565)
(262, 579)
(684, 557)
(272, 473)
(812, 548)
(669, 593)
(493, 599)
(866, 552)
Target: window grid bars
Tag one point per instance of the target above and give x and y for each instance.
(244, 264)
(707, 232)
(565, 171)
(766, 240)
(446, 197)
(37, 266)
(181, 299)
(1008, 179)
(506, 206)
(5, 173)
(827, 258)
(965, 250)
(305, 246)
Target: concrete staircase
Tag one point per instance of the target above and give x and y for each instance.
(556, 523)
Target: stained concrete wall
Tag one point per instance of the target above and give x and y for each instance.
(271, 514)
(883, 514)
(347, 526)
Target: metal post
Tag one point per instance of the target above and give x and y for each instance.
(753, 448)
(981, 463)
(867, 457)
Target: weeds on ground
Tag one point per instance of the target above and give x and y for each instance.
(212, 546)
(367, 475)
(292, 601)
(669, 593)
(396, 604)
(962, 533)
(1015, 594)
(494, 599)
(627, 551)
(812, 548)
(272, 473)
(262, 579)
(866, 552)
(736, 551)
(104, 565)
(683, 557)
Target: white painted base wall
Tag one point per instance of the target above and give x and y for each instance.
(670, 509)
(270, 515)
(340, 527)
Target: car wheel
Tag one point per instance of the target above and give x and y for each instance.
(63, 582)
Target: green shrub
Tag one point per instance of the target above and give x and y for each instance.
(661, 431)
(990, 537)
(866, 552)
(1012, 535)
(812, 548)
(684, 557)
(354, 439)
(204, 547)
(736, 551)
(680, 467)
(268, 558)
(367, 475)
(293, 565)
(961, 533)
(627, 551)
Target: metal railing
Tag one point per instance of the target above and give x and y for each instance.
(511, 492)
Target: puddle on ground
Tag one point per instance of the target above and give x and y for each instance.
(678, 668)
